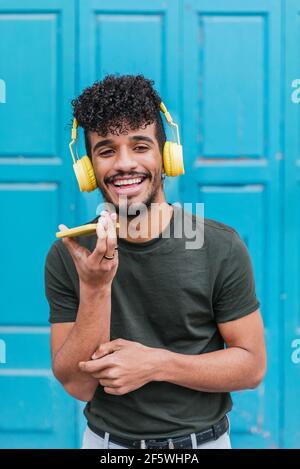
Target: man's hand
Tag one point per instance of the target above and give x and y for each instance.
(122, 366)
(93, 269)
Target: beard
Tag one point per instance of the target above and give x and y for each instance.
(132, 209)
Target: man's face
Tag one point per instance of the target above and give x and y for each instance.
(128, 167)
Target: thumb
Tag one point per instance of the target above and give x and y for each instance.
(66, 240)
(62, 227)
(105, 349)
(76, 251)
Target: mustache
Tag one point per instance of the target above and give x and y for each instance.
(128, 175)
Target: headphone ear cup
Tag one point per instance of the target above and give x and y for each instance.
(173, 159)
(85, 175)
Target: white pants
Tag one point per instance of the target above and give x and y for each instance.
(93, 441)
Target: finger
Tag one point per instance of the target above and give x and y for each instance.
(102, 219)
(101, 225)
(99, 353)
(109, 390)
(106, 348)
(114, 218)
(111, 228)
(100, 248)
(104, 374)
(111, 242)
(93, 366)
(107, 382)
(115, 391)
(62, 227)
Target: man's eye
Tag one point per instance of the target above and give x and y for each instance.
(105, 153)
(141, 148)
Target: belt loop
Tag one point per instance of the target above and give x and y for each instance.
(171, 444)
(106, 440)
(228, 420)
(143, 444)
(215, 429)
(194, 441)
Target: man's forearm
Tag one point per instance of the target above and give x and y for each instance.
(226, 370)
(92, 328)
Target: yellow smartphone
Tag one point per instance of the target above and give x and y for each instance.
(83, 230)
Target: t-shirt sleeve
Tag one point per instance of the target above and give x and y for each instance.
(59, 289)
(236, 295)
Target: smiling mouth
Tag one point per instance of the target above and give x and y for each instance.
(128, 182)
(128, 186)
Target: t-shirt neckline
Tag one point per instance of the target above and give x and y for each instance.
(150, 244)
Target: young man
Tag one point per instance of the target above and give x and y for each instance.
(138, 329)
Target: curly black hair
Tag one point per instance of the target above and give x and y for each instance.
(116, 104)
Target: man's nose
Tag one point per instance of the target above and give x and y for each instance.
(125, 161)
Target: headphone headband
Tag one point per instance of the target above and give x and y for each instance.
(162, 108)
(172, 157)
(170, 120)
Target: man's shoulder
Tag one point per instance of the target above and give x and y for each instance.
(219, 228)
(214, 230)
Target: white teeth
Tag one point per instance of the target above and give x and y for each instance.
(124, 182)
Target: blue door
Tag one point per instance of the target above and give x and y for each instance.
(224, 68)
(36, 193)
(291, 248)
(231, 113)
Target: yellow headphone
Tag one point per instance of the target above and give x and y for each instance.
(172, 158)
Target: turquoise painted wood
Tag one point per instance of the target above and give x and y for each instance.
(291, 247)
(231, 114)
(37, 45)
(109, 30)
(224, 68)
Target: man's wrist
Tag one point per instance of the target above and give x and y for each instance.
(162, 363)
(94, 292)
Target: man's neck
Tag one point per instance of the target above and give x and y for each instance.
(147, 225)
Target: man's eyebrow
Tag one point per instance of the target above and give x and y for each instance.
(102, 143)
(135, 138)
(141, 137)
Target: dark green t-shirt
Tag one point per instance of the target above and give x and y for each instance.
(163, 295)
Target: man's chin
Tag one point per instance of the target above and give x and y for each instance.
(130, 205)
(133, 206)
